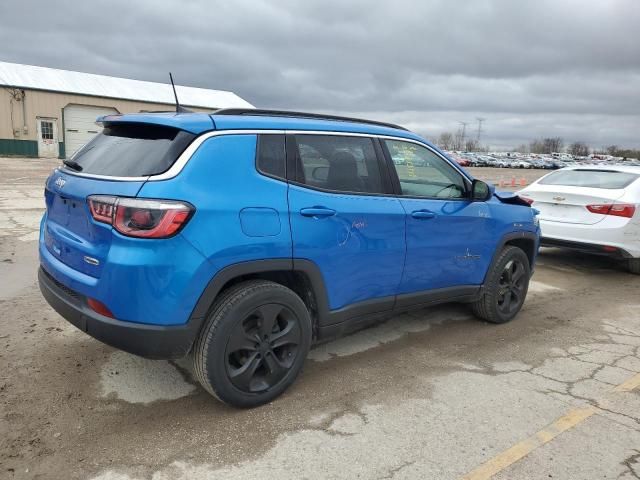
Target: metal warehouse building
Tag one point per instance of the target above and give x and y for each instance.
(45, 112)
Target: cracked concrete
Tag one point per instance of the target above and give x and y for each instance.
(431, 394)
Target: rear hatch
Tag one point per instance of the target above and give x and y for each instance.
(563, 196)
(116, 162)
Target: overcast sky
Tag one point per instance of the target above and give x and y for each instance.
(534, 68)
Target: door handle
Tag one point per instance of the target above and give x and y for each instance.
(420, 214)
(317, 212)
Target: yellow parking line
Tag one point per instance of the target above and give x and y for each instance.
(519, 450)
(522, 449)
(632, 383)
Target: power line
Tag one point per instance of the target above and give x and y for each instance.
(480, 120)
(464, 131)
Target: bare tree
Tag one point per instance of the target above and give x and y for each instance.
(579, 149)
(552, 144)
(522, 148)
(458, 139)
(471, 145)
(612, 150)
(536, 146)
(445, 140)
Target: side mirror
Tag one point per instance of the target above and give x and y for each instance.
(481, 191)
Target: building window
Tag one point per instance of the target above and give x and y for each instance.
(46, 130)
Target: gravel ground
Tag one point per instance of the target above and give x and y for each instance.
(432, 394)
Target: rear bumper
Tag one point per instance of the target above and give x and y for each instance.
(591, 248)
(150, 341)
(621, 233)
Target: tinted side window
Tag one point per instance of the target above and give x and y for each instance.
(422, 173)
(270, 155)
(338, 163)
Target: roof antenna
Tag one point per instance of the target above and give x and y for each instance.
(179, 108)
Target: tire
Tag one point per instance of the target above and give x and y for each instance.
(238, 358)
(633, 265)
(501, 287)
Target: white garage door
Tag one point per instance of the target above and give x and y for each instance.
(80, 125)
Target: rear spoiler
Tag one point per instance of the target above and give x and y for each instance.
(511, 198)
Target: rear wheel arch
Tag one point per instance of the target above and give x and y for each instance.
(300, 275)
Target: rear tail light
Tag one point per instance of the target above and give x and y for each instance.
(616, 209)
(141, 217)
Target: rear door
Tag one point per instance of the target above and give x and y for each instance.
(116, 162)
(450, 239)
(344, 217)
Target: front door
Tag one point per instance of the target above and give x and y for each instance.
(345, 219)
(449, 238)
(47, 130)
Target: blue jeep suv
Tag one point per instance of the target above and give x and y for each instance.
(243, 237)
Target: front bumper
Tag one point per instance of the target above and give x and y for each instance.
(150, 341)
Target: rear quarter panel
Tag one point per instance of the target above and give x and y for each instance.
(241, 215)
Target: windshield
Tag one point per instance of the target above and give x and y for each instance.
(131, 150)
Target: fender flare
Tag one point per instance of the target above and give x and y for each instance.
(508, 237)
(225, 275)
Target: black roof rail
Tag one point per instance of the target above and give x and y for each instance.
(314, 116)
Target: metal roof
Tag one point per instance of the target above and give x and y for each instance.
(52, 79)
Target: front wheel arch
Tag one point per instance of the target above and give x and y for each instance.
(499, 289)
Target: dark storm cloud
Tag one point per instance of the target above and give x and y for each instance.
(534, 68)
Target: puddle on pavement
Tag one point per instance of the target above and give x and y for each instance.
(138, 380)
(539, 287)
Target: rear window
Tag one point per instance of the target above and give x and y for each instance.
(132, 150)
(608, 179)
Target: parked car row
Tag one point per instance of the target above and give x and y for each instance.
(516, 160)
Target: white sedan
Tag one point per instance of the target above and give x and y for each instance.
(591, 209)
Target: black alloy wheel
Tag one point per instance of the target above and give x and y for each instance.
(511, 287)
(505, 287)
(262, 348)
(253, 343)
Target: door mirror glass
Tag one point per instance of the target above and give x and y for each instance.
(481, 191)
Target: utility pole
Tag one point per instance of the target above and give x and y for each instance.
(464, 132)
(480, 120)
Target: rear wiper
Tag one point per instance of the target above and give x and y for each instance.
(73, 165)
